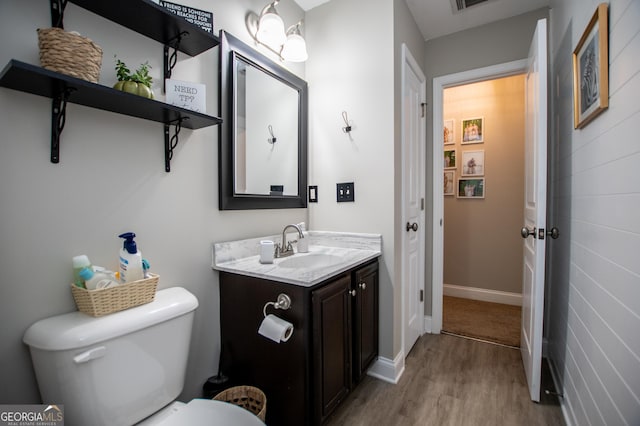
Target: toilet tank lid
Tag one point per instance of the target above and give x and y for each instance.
(77, 330)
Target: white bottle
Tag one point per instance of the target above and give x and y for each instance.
(130, 260)
(96, 279)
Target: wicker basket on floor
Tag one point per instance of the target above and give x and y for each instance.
(70, 54)
(248, 397)
(105, 301)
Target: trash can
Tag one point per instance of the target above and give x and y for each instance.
(248, 397)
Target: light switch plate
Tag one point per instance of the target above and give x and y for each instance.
(345, 192)
(313, 193)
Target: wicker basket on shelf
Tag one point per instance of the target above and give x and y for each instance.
(113, 299)
(248, 397)
(69, 53)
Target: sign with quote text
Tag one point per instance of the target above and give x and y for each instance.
(185, 94)
(201, 18)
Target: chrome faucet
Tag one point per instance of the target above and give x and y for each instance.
(285, 248)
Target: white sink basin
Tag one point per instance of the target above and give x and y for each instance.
(310, 261)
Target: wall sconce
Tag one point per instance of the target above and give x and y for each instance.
(289, 45)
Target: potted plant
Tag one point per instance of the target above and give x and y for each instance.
(138, 83)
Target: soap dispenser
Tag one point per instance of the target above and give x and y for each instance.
(130, 259)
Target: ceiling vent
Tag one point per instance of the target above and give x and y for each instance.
(458, 6)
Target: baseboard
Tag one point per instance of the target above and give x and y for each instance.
(388, 370)
(482, 294)
(563, 404)
(427, 324)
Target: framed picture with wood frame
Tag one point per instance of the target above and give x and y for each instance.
(591, 70)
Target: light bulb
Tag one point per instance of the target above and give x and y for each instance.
(295, 49)
(271, 28)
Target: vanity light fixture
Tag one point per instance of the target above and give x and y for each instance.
(289, 45)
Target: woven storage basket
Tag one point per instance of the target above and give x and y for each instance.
(248, 397)
(69, 53)
(113, 299)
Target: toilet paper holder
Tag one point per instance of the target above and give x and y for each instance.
(282, 302)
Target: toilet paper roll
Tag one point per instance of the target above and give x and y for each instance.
(275, 328)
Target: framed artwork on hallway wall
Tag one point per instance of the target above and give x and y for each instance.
(471, 188)
(473, 130)
(448, 137)
(450, 159)
(449, 182)
(591, 70)
(473, 163)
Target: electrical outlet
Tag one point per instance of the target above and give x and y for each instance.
(345, 192)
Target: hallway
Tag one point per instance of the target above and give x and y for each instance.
(451, 381)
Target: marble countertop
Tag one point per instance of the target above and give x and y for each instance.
(345, 250)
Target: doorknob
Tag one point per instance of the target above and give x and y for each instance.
(553, 233)
(412, 226)
(525, 232)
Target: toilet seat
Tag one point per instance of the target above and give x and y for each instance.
(210, 412)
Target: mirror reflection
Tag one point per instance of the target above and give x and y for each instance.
(266, 133)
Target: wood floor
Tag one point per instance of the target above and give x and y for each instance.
(450, 380)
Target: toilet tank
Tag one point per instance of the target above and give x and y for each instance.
(116, 369)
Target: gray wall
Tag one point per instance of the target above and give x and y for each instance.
(345, 73)
(500, 42)
(111, 179)
(482, 248)
(593, 301)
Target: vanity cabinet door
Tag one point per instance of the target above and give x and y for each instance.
(331, 305)
(365, 318)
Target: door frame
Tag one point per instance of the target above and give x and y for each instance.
(408, 61)
(437, 213)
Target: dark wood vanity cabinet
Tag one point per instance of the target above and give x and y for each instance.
(335, 340)
(365, 327)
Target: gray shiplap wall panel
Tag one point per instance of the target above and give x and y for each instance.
(599, 404)
(594, 318)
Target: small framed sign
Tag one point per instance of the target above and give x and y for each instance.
(201, 18)
(186, 94)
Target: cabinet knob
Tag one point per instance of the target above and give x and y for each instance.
(363, 286)
(352, 292)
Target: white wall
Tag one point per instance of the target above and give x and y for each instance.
(111, 179)
(593, 301)
(350, 68)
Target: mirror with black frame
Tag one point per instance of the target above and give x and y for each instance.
(262, 158)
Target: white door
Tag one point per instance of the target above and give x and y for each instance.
(535, 206)
(413, 178)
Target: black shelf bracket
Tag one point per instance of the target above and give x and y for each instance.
(171, 59)
(57, 12)
(58, 119)
(170, 142)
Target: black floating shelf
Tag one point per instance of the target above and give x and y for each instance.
(153, 21)
(39, 81)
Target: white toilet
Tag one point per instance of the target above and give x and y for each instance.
(126, 367)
